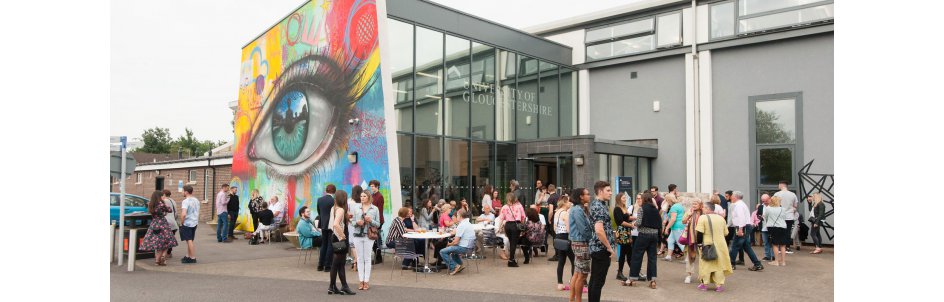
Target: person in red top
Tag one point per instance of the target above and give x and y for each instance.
(378, 201)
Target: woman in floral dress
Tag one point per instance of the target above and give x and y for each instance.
(159, 237)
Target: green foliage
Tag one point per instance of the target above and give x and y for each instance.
(158, 140)
(769, 130)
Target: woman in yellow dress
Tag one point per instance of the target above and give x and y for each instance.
(710, 230)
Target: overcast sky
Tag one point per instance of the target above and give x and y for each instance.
(175, 64)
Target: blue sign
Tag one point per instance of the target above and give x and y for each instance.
(124, 142)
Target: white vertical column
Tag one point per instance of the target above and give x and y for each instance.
(390, 125)
(706, 120)
(583, 88)
(691, 147)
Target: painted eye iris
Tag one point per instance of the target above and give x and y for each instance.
(290, 125)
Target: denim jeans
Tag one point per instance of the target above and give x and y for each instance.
(451, 255)
(768, 252)
(743, 244)
(222, 226)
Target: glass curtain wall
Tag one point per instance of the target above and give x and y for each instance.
(460, 105)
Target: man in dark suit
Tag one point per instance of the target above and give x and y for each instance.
(325, 203)
(232, 207)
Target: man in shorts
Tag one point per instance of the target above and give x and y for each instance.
(189, 216)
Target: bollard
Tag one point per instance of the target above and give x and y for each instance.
(111, 242)
(132, 249)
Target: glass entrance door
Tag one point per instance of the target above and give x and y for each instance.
(555, 169)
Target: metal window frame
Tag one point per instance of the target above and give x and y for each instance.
(681, 31)
(620, 37)
(797, 145)
(737, 19)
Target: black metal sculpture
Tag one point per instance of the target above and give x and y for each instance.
(823, 183)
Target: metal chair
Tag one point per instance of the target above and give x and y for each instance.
(490, 240)
(469, 256)
(404, 251)
(307, 252)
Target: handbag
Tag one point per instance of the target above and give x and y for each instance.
(339, 247)
(624, 235)
(373, 233)
(708, 252)
(561, 244)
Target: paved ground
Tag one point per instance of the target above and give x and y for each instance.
(238, 270)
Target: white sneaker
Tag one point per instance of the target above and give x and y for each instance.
(688, 279)
(668, 258)
(789, 252)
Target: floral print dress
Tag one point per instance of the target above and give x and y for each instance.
(159, 235)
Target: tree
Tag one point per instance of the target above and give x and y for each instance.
(156, 140)
(190, 143)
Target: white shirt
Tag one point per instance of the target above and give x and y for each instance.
(280, 207)
(543, 221)
(740, 215)
(466, 234)
(788, 200)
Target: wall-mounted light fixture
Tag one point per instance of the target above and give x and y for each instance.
(352, 158)
(578, 160)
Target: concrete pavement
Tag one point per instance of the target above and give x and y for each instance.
(235, 268)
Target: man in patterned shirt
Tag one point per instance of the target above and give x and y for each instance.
(601, 243)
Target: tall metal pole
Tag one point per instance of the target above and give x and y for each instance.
(121, 206)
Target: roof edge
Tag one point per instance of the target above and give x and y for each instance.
(576, 21)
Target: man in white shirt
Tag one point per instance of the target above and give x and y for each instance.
(789, 202)
(461, 244)
(740, 219)
(188, 229)
(278, 210)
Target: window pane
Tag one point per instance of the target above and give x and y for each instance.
(722, 20)
(483, 92)
(616, 162)
(629, 169)
(568, 103)
(619, 30)
(602, 168)
(670, 30)
(456, 181)
(504, 167)
(776, 164)
(748, 7)
(631, 46)
(783, 19)
(402, 65)
(457, 85)
(505, 107)
(405, 148)
(630, 28)
(599, 51)
(775, 122)
(525, 99)
(428, 171)
(429, 86)
(644, 173)
(548, 98)
(481, 172)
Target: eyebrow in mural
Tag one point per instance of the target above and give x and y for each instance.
(303, 119)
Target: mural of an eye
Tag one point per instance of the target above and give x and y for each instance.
(301, 118)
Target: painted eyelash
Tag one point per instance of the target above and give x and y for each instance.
(337, 84)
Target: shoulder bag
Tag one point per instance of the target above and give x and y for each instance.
(708, 251)
(684, 240)
(340, 247)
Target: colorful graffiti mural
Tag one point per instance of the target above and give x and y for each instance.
(300, 84)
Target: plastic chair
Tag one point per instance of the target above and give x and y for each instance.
(404, 251)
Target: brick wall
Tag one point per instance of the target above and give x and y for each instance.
(172, 176)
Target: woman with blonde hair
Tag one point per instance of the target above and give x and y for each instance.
(819, 214)
(562, 232)
(775, 219)
(624, 229)
(691, 220)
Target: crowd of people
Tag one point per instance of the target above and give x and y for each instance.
(714, 233)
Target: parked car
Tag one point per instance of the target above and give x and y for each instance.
(133, 204)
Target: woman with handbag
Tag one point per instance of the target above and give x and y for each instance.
(513, 215)
(623, 218)
(776, 221)
(819, 213)
(580, 233)
(714, 264)
(562, 241)
(648, 224)
(366, 230)
(687, 239)
(339, 244)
